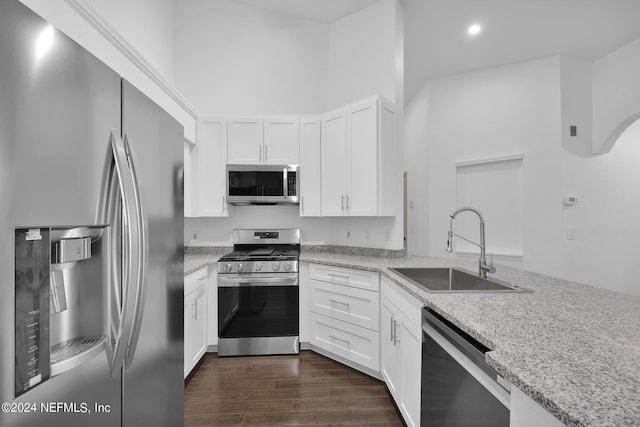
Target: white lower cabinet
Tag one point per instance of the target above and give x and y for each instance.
(195, 318)
(356, 344)
(344, 318)
(401, 349)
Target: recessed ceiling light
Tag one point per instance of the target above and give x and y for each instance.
(474, 30)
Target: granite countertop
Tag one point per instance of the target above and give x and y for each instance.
(197, 257)
(573, 348)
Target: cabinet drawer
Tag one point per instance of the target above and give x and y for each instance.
(195, 280)
(346, 276)
(359, 345)
(354, 305)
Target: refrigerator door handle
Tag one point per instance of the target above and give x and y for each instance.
(143, 248)
(118, 207)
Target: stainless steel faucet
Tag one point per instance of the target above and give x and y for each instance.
(483, 268)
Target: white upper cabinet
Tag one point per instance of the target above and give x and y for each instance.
(263, 140)
(211, 154)
(281, 141)
(245, 141)
(333, 170)
(358, 158)
(309, 174)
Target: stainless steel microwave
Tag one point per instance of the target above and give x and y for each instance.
(262, 184)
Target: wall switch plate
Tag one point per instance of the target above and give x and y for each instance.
(571, 232)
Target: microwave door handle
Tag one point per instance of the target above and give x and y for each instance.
(285, 183)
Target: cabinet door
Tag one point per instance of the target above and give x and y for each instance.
(363, 159)
(334, 164)
(389, 357)
(309, 173)
(211, 152)
(198, 324)
(281, 141)
(244, 142)
(410, 352)
(187, 337)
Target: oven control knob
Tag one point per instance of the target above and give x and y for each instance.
(228, 267)
(276, 266)
(287, 267)
(239, 267)
(258, 266)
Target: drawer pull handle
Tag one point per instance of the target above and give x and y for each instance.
(347, 342)
(396, 340)
(346, 304)
(333, 276)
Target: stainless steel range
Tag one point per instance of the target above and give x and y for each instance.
(258, 294)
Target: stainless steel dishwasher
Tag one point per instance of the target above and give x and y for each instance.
(458, 387)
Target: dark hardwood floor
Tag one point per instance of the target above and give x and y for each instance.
(303, 390)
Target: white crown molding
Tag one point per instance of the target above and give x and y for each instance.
(89, 14)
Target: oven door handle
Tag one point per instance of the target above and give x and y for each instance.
(254, 281)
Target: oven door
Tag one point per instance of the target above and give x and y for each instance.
(258, 313)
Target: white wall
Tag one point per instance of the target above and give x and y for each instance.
(236, 59)
(616, 93)
(415, 163)
(233, 58)
(362, 55)
(67, 20)
(605, 250)
(528, 108)
(147, 25)
(491, 113)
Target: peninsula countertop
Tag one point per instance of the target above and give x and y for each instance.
(573, 348)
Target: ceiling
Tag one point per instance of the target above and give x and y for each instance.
(320, 10)
(436, 43)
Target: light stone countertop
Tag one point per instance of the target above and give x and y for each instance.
(573, 348)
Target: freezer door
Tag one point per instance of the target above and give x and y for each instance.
(58, 105)
(153, 386)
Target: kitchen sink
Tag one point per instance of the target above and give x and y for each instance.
(454, 280)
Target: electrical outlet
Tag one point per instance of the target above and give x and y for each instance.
(194, 235)
(368, 234)
(571, 232)
(387, 235)
(348, 234)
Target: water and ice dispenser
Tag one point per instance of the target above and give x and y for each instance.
(61, 300)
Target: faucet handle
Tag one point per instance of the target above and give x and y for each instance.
(492, 269)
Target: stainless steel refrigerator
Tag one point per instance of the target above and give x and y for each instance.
(91, 231)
